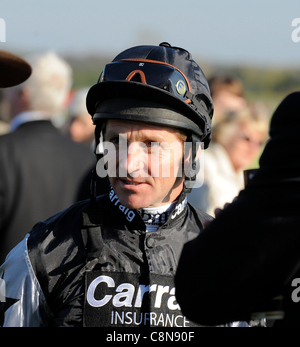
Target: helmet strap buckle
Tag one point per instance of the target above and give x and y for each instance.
(191, 172)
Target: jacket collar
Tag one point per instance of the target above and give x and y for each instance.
(27, 116)
(132, 218)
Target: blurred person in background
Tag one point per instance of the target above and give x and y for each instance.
(227, 93)
(41, 170)
(3, 124)
(81, 127)
(13, 71)
(237, 140)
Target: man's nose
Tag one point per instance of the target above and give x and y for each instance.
(134, 160)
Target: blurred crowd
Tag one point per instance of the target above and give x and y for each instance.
(46, 148)
(239, 133)
(47, 140)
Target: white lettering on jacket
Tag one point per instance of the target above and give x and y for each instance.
(127, 212)
(179, 208)
(124, 294)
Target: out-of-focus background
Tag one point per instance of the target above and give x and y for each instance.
(249, 51)
(251, 40)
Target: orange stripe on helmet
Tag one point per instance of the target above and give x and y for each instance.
(135, 72)
(162, 63)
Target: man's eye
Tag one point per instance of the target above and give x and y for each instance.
(114, 140)
(154, 144)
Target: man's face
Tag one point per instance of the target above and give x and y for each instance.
(148, 158)
(245, 146)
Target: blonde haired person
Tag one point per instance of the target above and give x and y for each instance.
(227, 93)
(237, 141)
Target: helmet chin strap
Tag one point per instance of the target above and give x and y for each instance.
(93, 183)
(191, 172)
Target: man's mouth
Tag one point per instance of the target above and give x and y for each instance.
(132, 183)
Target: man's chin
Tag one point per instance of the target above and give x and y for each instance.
(133, 203)
(133, 197)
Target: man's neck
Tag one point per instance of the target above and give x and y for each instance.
(154, 217)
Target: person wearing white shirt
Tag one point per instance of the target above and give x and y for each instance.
(237, 141)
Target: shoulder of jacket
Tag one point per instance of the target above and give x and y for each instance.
(61, 217)
(26, 305)
(8, 138)
(58, 235)
(203, 216)
(60, 231)
(56, 247)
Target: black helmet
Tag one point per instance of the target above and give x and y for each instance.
(143, 79)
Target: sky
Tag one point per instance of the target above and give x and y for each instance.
(235, 32)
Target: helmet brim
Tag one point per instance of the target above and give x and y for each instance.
(100, 108)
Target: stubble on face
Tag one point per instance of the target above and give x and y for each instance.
(147, 160)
